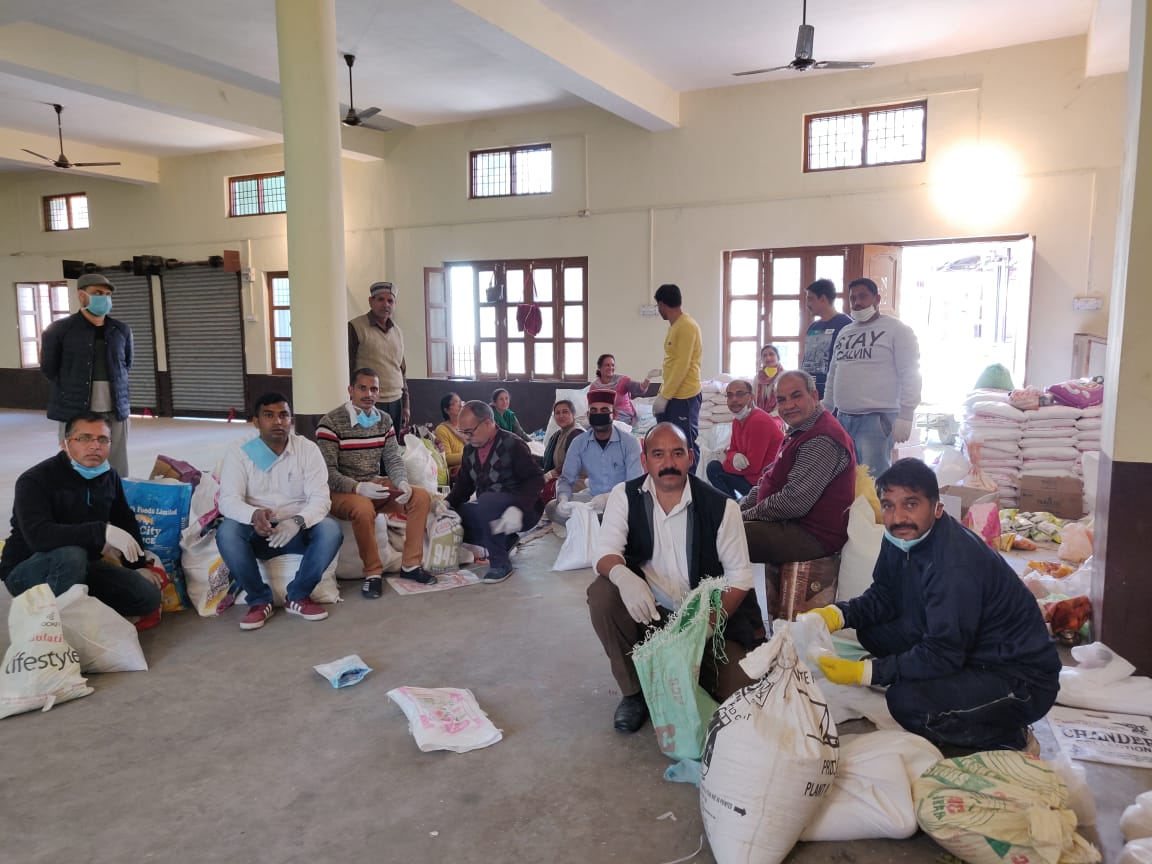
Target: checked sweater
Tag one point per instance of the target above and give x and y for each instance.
(354, 454)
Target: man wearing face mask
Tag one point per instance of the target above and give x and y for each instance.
(70, 517)
(874, 380)
(756, 440)
(87, 356)
(604, 453)
(954, 635)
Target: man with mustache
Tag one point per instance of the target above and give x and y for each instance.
(662, 533)
(954, 635)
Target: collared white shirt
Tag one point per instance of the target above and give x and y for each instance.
(296, 484)
(667, 572)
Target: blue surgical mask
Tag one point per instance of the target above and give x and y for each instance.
(260, 453)
(905, 545)
(99, 304)
(367, 421)
(90, 473)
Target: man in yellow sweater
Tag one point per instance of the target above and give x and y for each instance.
(678, 401)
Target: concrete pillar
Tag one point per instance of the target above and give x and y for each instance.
(306, 33)
(1122, 581)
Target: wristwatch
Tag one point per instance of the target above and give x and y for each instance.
(299, 520)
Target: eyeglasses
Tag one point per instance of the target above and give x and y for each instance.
(736, 394)
(468, 433)
(102, 440)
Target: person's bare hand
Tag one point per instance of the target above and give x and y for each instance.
(262, 522)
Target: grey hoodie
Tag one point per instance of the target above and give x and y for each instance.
(875, 368)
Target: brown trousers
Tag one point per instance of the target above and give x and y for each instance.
(780, 542)
(361, 512)
(619, 634)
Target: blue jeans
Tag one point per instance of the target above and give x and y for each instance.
(240, 546)
(872, 435)
(123, 589)
(732, 485)
(978, 708)
(685, 413)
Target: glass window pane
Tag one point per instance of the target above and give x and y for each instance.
(543, 362)
(488, 322)
(439, 354)
(574, 284)
(437, 289)
(785, 319)
(510, 326)
(280, 293)
(438, 323)
(79, 211)
(283, 355)
(546, 313)
(742, 357)
(486, 281)
(835, 142)
(789, 354)
(275, 200)
(831, 267)
(60, 298)
(44, 314)
(574, 322)
(574, 359)
(542, 279)
(533, 171)
(29, 354)
(745, 277)
(491, 174)
(58, 214)
(786, 276)
(27, 325)
(896, 135)
(245, 198)
(24, 301)
(514, 286)
(744, 318)
(282, 324)
(516, 362)
(488, 358)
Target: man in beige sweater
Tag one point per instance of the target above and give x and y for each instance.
(375, 342)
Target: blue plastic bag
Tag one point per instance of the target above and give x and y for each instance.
(161, 509)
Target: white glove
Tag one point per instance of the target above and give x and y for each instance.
(634, 591)
(599, 502)
(405, 492)
(122, 540)
(659, 405)
(901, 430)
(373, 491)
(510, 521)
(739, 461)
(563, 506)
(283, 533)
(653, 374)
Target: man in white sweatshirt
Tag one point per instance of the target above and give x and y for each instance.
(874, 379)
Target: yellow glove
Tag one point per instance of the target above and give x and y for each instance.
(840, 671)
(832, 616)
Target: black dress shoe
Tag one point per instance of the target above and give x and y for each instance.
(631, 714)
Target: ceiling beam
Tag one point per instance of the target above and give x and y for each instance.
(1108, 33)
(134, 167)
(529, 32)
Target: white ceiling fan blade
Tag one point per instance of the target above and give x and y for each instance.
(38, 155)
(762, 71)
(92, 164)
(843, 64)
(368, 112)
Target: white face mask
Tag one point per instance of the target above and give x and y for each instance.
(744, 412)
(863, 314)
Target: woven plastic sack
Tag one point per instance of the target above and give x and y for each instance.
(1000, 806)
(668, 665)
(582, 541)
(442, 541)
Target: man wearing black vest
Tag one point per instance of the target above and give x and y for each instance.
(662, 533)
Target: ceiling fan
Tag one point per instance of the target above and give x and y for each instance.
(803, 61)
(354, 117)
(62, 161)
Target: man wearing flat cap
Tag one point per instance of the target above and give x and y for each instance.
(605, 453)
(87, 356)
(375, 342)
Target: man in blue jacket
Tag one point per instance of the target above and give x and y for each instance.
(954, 635)
(87, 356)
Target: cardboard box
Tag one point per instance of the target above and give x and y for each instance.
(1060, 496)
(957, 499)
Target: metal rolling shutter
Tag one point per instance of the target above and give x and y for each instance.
(132, 304)
(204, 328)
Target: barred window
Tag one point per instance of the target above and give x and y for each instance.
(510, 171)
(38, 304)
(66, 212)
(256, 194)
(887, 135)
(280, 323)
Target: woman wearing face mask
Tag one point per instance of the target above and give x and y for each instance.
(504, 416)
(766, 377)
(623, 386)
(448, 433)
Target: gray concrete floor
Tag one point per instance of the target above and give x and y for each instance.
(232, 748)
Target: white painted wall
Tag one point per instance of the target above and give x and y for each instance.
(663, 206)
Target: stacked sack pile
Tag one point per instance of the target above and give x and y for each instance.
(991, 431)
(1088, 429)
(1048, 448)
(714, 405)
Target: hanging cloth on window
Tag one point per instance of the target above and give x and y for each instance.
(528, 317)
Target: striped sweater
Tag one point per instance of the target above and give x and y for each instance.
(354, 454)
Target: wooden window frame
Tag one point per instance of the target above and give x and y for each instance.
(68, 198)
(865, 114)
(511, 151)
(272, 310)
(55, 313)
(261, 209)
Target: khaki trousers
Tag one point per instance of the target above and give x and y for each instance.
(361, 512)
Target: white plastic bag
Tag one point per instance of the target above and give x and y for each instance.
(1080, 798)
(348, 563)
(445, 718)
(1137, 819)
(420, 467)
(279, 571)
(205, 573)
(1136, 852)
(579, 549)
(105, 641)
(769, 758)
(858, 558)
(40, 667)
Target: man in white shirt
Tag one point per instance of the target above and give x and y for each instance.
(274, 500)
(662, 533)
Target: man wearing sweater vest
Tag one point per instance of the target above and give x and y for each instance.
(662, 533)
(874, 380)
(356, 440)
(375, 342)
(679, 399)
(799, 510)
(755, 442)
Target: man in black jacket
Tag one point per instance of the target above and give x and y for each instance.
(69, 513)
(87, 356)
(662, 533)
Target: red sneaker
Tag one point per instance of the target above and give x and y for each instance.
(148, 621)
(256, 616)
(306, 609)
